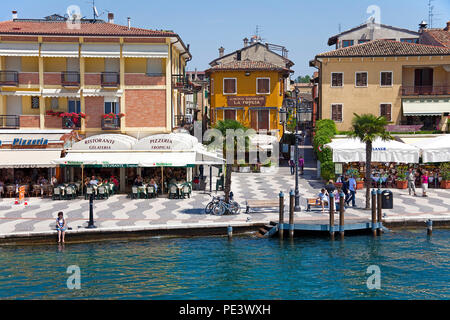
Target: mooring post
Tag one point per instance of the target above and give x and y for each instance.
(331, 204)
(281, 220)
(341, 214)
(91, 224)
(374, 212)
(379, 212)
(291, 214)
(230, 232)
(429, 227)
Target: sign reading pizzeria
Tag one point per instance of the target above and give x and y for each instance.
(247, 101)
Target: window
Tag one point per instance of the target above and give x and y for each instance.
(229, 86)
(386, 79)
(363, 41)
(74, 106)
(230, 114)
(413, 40)
(212, 87)
(336, 112)
(337, 79)
(34, 102)
(263, 85)
(111, 106)
(361, 79)
(54, 103)
(386, 111)
(347, 43)
(259, 119)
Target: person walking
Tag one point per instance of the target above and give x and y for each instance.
(345, 188)
(292, 166)
(301, 164)
(61, 226)
(411, 182)
(425, 183)
(352, 189)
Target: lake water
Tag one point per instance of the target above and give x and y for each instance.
(412, 267)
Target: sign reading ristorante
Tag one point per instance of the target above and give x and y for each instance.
(244, 101)
(99, 143)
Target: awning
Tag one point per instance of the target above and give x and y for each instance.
(59, 50)
(100, 51)
(28, 158)
(435, 149)
(21, 93)
(426, 107)
(49, 93)
(19, 49)
(145, 51)
(206, 157)
(353, 150)
(102, 93)
(165, 159)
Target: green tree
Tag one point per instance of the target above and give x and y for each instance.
(223, 126)
(305, 79)
(368, 128)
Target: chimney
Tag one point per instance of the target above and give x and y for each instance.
(14, 15)
(221, 52)
(422, 26)
(110, 17)
(129, 23)
(447, 28)
(245, 42)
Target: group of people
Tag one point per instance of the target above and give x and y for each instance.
(25, 181)
(301, 165)
(98, 182)
(348, 189)
(424, 177)
(140, 182)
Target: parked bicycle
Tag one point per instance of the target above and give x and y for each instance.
(210, 206)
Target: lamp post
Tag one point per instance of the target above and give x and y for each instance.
(297, 192)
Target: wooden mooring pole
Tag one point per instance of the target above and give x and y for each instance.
(379, 212)
(281, 220)
(429, 227)
(331, 204)
(230, 232)
(291, 214)
(341, 214)
(374, 212)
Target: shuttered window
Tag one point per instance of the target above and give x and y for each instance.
(230, 114)
(386, 79)
(336, 112)
(263, 85)
(386, 111)
(229, 86)
(361, 79)
(337, 79)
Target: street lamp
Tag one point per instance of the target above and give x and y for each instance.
(297, 136)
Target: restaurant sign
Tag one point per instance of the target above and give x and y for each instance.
(27, 142)
(105, 143)
(246, 101)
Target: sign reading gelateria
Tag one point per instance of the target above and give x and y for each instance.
(244, 101)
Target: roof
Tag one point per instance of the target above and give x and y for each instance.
(248, 47)
(86, 29)
(332, 40)
(247, 65)
(386, 48)
(440, 36)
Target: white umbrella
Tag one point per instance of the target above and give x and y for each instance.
(435, 149)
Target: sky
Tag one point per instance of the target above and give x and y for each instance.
(302, 26)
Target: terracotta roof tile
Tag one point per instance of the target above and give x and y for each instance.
(86, 29)
(247, 65)
(442, 37)
(383, 48)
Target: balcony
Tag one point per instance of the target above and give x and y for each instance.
(181, 121)
(110, 79)
(425, 90)
(9, 122)
(110, 123)
(70, 79)
(182, 83)
(9, 78)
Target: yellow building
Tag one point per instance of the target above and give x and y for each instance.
(407, 83)
(250, 92)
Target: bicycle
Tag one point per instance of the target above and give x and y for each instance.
(210, 206)
(222, 207)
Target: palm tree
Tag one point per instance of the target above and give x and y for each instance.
(368, 128)
(223, 126)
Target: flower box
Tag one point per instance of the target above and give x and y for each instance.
(244, 169)
(445, 184)
(359, 185)
(402, 184)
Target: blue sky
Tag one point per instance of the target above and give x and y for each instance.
(303, 26)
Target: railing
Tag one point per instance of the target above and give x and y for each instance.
(182, 83)
(9, 78)
(9, 122)
(71, 123)
(181, 121)
(70, 79)
(110, 79)
(425, 90)
(110, 124)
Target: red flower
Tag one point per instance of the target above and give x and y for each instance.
(82, 115)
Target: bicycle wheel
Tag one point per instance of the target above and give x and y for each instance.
(209, 207)
(218, 210)
(235, 208)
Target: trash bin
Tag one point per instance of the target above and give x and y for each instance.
(387, 200)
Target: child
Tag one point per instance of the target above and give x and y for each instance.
(323, 198)
(61, 226)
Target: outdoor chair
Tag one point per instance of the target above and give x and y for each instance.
(89, 192)
(10, 191)
(56, 193)
(70, 193)
(173, 192)
(36, 190)
(151, 192)
(186, 191)
(102, 193)
(134, 193)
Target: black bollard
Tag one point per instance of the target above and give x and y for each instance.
(331, 204)
(341, 215)
(230, 232)
(379, 212)
(91, 213)
(429, 227)
(281, 219)
(291, 214)
(374, 212)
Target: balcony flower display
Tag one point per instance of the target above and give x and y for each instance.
(113, 116)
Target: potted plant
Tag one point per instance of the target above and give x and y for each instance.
(360, 182)
(268, 167)
(444, 169)
(244, 168)
(402, 182)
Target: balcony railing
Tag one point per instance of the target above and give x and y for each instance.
(9, 78)
(182, 83)
(71, 123)
(181, 121)
(425, 90)
(70, 79)
(111, 124)
(9, 122)
(110, 79)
